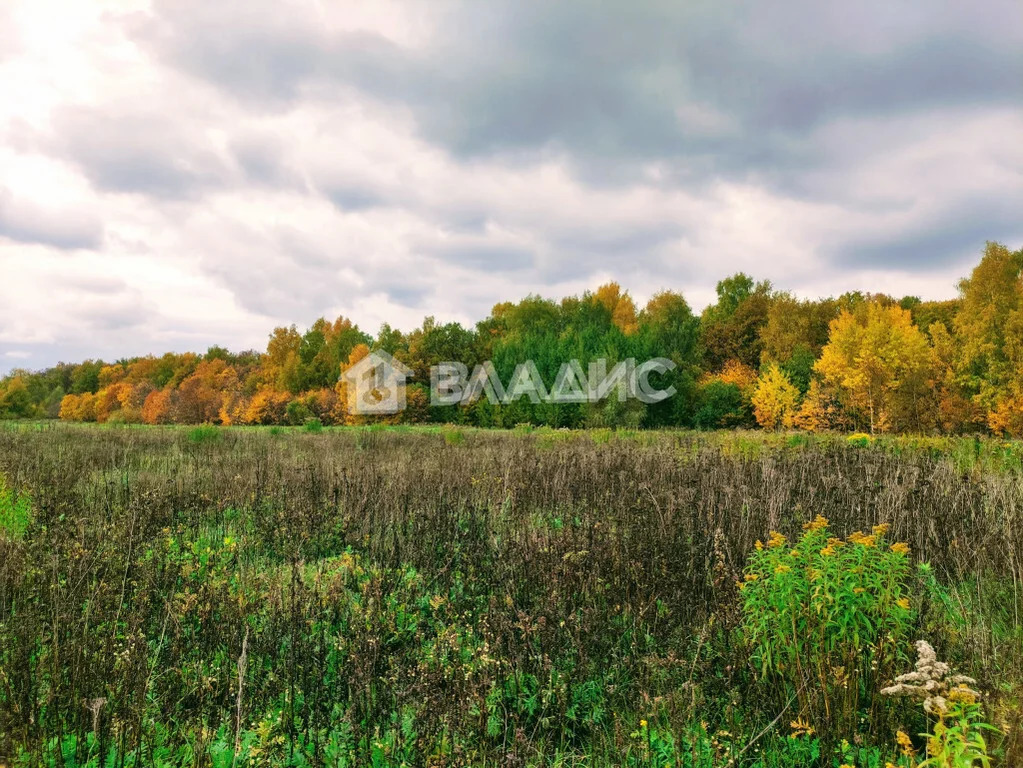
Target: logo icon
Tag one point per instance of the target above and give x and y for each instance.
(376, 385)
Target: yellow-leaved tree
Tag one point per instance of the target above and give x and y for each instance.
(775, 399)
(881, 361)
(989, 333)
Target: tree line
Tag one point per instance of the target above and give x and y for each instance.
(757, 356)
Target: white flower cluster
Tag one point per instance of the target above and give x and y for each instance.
(933, 683)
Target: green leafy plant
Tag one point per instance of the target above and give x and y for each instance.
(15, 512)
(206, 433)
(827, 619)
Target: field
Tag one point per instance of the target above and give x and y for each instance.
(442, 597)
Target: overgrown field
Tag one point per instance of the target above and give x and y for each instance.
(385, 597)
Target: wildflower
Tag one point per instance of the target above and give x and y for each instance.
(856, 537)
(963, 694)
(801, 728)
(828, 551)
(752, 576)
(900, 548)
(904, 742)
(759, 545)
(816, 524)
(858, 590)
(867, 541)
(776, 540)
(642, 723)
(794, 553)
(903, 603)
(880, 530)
(782, 569)
(932, 682)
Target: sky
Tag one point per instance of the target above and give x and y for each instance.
(181, 173)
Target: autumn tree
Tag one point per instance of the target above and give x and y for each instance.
(15, 399)
(989, 329)
(620, 306)
(794, 335)
(157, 407)
(775, 399)
(881, 361)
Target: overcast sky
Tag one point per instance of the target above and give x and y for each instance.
(180, 173)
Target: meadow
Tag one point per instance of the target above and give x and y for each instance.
(441, 596)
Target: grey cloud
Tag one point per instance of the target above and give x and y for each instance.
(123, 150)
(263, 159)
(950, 237)
(353, 197)
(26, 222)
(485, 256)
(626, 83)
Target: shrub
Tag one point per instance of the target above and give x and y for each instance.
(313, 426)
(207, 433)
(859, 439)
(827, 619)
(15, 512)
(721, 404)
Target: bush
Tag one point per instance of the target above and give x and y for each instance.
(207, 433)
(15, 512)
(722, 404)
(313, 426)
(828, 620)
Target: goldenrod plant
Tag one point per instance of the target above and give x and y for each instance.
(827, 619)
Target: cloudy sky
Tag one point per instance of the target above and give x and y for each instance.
(178, 173)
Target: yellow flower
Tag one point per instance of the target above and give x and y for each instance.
(776, 540)
(782, 569)
(880, 530)
(642, 723)
(801, 727)
(835, 542)
(741, 585)
(867, 541)
(858, 590)
(903, 740)
(963, 694)
(816, 524)
(903, 603)
(855, 537)
(900, 548)
(752, 576)
(759, 545)
(828, 551)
